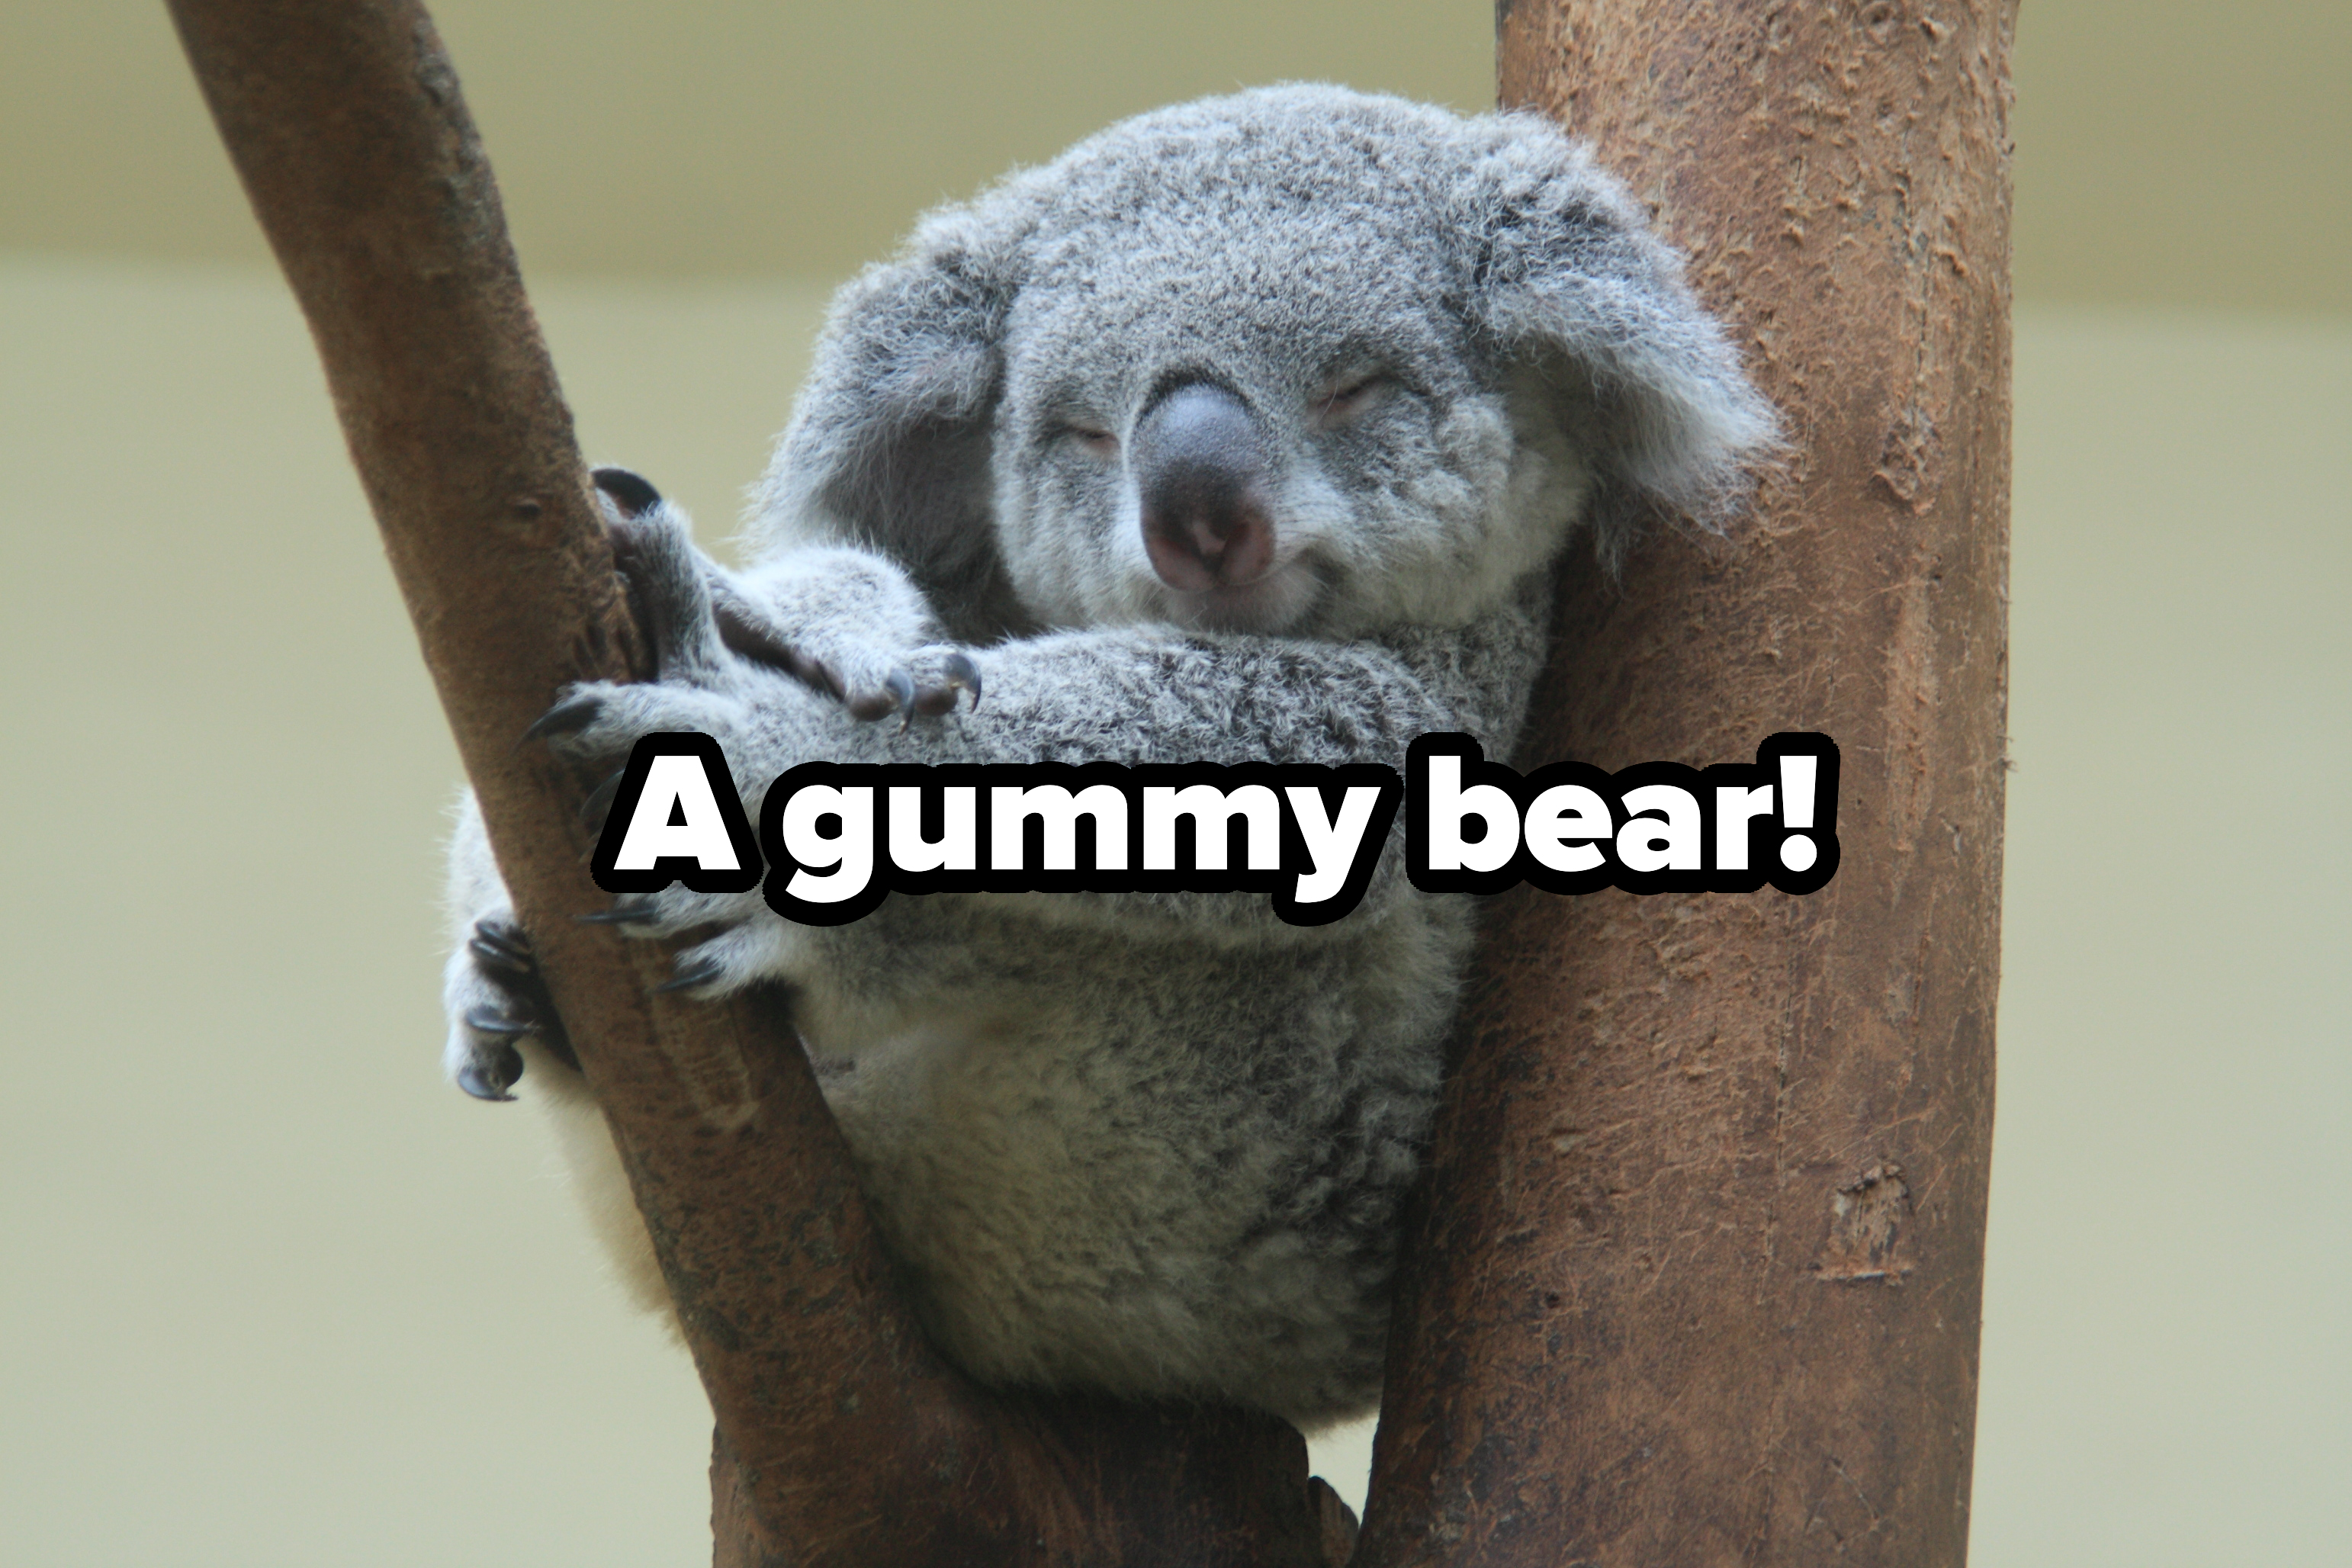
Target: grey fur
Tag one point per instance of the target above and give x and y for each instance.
(1153, 1145)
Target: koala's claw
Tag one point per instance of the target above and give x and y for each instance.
(963, 672)
(623, 912)
(900, 695)
(504, 935)
(567, 717)
(600, 799)
(501, 948)
(963, 675)
(701, 972)
(500, 998)
(901, 688)
(490, 1080)
(632, 495)
(490, 1021)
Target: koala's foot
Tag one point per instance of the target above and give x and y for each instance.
(496, 996)
(644, 531)
(864, 678)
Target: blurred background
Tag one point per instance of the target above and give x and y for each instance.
(271, 1293)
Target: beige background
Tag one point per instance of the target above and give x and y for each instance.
(270, 1293)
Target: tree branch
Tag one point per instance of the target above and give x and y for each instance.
(842, 1437)
(1697, 1275)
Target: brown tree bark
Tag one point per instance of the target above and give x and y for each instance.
(842, 1438)
(1696, 1278)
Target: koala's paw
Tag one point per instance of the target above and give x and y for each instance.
(759, 717)
(686, 603)
(495, 997)
(868, 683)
(863, 622)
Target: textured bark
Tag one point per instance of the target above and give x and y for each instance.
(842, 1438)
(1697, 1277)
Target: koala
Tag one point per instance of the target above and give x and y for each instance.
(1250, 429)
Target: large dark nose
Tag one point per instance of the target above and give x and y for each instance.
(1201, 466)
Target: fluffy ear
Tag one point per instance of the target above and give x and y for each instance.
(889, 444)
(1562, 269)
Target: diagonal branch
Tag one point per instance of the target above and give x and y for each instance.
(842, 1437)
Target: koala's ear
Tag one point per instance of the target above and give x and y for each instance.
(889, 444)
(1562, 267)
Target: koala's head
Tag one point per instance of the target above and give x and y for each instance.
(1299, 360)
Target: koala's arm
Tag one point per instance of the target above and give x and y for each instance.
(1144, 694)
(1128, 695)
(1137, 696)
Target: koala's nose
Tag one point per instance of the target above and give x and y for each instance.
(1201, 466)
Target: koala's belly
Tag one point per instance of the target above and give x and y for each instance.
(1161, 1172)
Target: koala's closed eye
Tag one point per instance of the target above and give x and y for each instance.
(1344, 400)
(1085, 434)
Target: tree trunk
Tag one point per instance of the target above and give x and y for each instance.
(1696, 1275)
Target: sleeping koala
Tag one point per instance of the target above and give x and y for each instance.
(1249, 430)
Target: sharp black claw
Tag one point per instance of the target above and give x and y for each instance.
(491, 956)
(502, 945)
(571, 714)
(491, 1083)
(901, 688)
(702, 972)
(485, 1020)
(629, 491)
(504, 935)
(600, 799)
(622, 913)
(963, 672)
